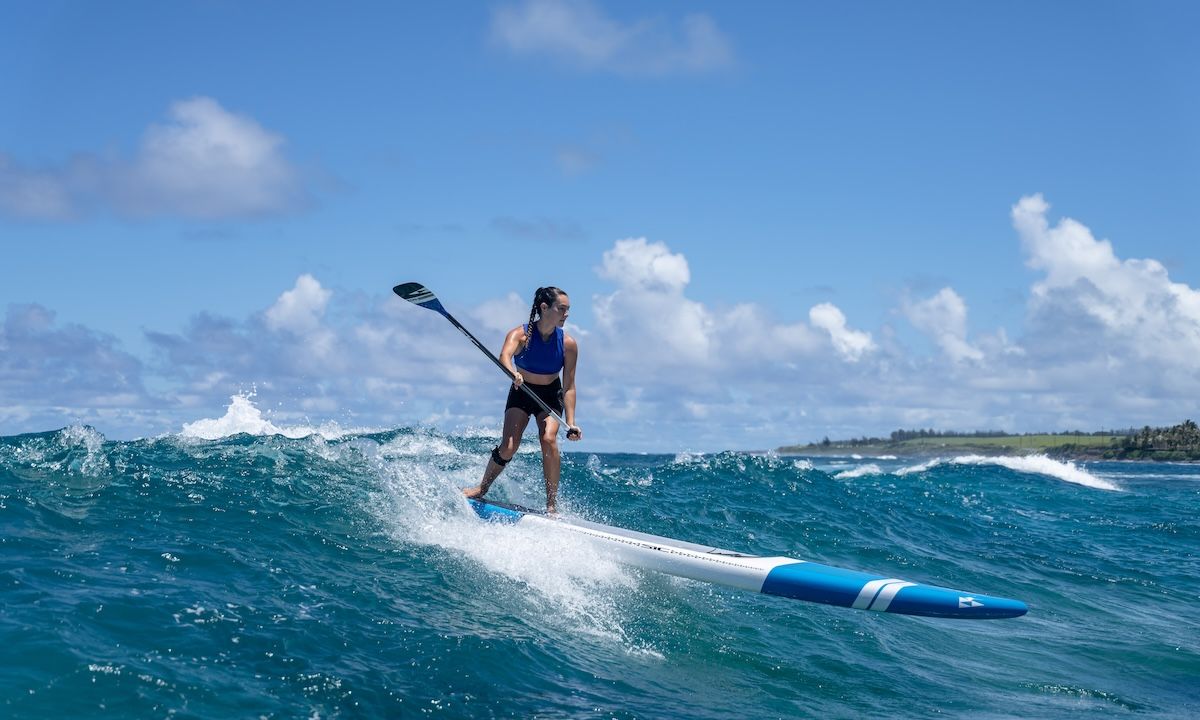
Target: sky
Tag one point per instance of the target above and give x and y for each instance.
(776, 222)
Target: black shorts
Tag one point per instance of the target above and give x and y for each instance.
(551, 394)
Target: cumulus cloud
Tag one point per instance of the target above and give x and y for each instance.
(579, 32)
(500, 315)
(210, 163)
(649, 303)
(642, 266)
(1130, 308)
(650, 309)
(52, 375)
(943, 318)
(313, 350)
(850, 344)
(660, 364)
(299, 310)
(205, 162)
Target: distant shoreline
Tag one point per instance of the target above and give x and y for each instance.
(1180, 443)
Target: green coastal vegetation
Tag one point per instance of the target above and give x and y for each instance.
(1177, 443)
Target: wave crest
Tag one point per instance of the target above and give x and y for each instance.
(1037, 464)
(242, 416)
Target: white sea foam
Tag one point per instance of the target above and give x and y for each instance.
(919, 468)
(1042, 465)
(1037, 464)
(418, 445)
(81, 437)
(690, 458)
(860, 471)
(570, 580)
(242, 416)
(487, 432)
(802, 464)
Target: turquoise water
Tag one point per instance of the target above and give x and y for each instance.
(340, 575)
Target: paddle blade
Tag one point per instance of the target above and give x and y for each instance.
(418, 294)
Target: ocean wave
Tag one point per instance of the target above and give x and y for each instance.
(484, 432)
(919, 468)
(242, 416)
(572, 584)
(300, 562)
(77, 450)
(1035, 464)
(418, 445)
(860, 471)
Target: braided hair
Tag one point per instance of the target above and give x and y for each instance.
(547, 295)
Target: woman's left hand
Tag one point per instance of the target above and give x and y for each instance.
(574, 432)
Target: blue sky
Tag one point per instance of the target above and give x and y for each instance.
(776, 222)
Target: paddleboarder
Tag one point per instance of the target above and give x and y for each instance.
(542, 357)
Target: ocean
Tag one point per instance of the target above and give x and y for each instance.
(242, 570)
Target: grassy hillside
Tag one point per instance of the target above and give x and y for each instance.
(1181, 442)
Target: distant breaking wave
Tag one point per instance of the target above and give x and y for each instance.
(860, 471)
(1038, 464)
(243, 417)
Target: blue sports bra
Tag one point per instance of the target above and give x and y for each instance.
(544, 357)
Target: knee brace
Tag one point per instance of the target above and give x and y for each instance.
(496, 457)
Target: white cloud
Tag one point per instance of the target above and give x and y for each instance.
(850, 344)
(943, 318)
(638, 265)
(579, 32)
(500, 315)
(685, 341)
(649, 304)
(661, 364)
(1127, 308)
(52, 375)
(205, 162)
(299, 312)
(210, 163)
(300, 309)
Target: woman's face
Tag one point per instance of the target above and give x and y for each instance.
(559, 310)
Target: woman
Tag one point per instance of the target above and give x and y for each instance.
(535, 353)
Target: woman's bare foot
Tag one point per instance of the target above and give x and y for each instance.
(475, 493)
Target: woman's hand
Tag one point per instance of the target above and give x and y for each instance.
(518, 379)
(574, 432)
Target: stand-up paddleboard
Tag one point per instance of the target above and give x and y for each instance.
(782, 576)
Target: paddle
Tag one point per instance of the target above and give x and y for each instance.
(418, 294)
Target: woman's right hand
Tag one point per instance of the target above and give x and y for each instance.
(517, 379)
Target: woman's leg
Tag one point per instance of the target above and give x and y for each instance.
(551, 463)
(515, 420)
